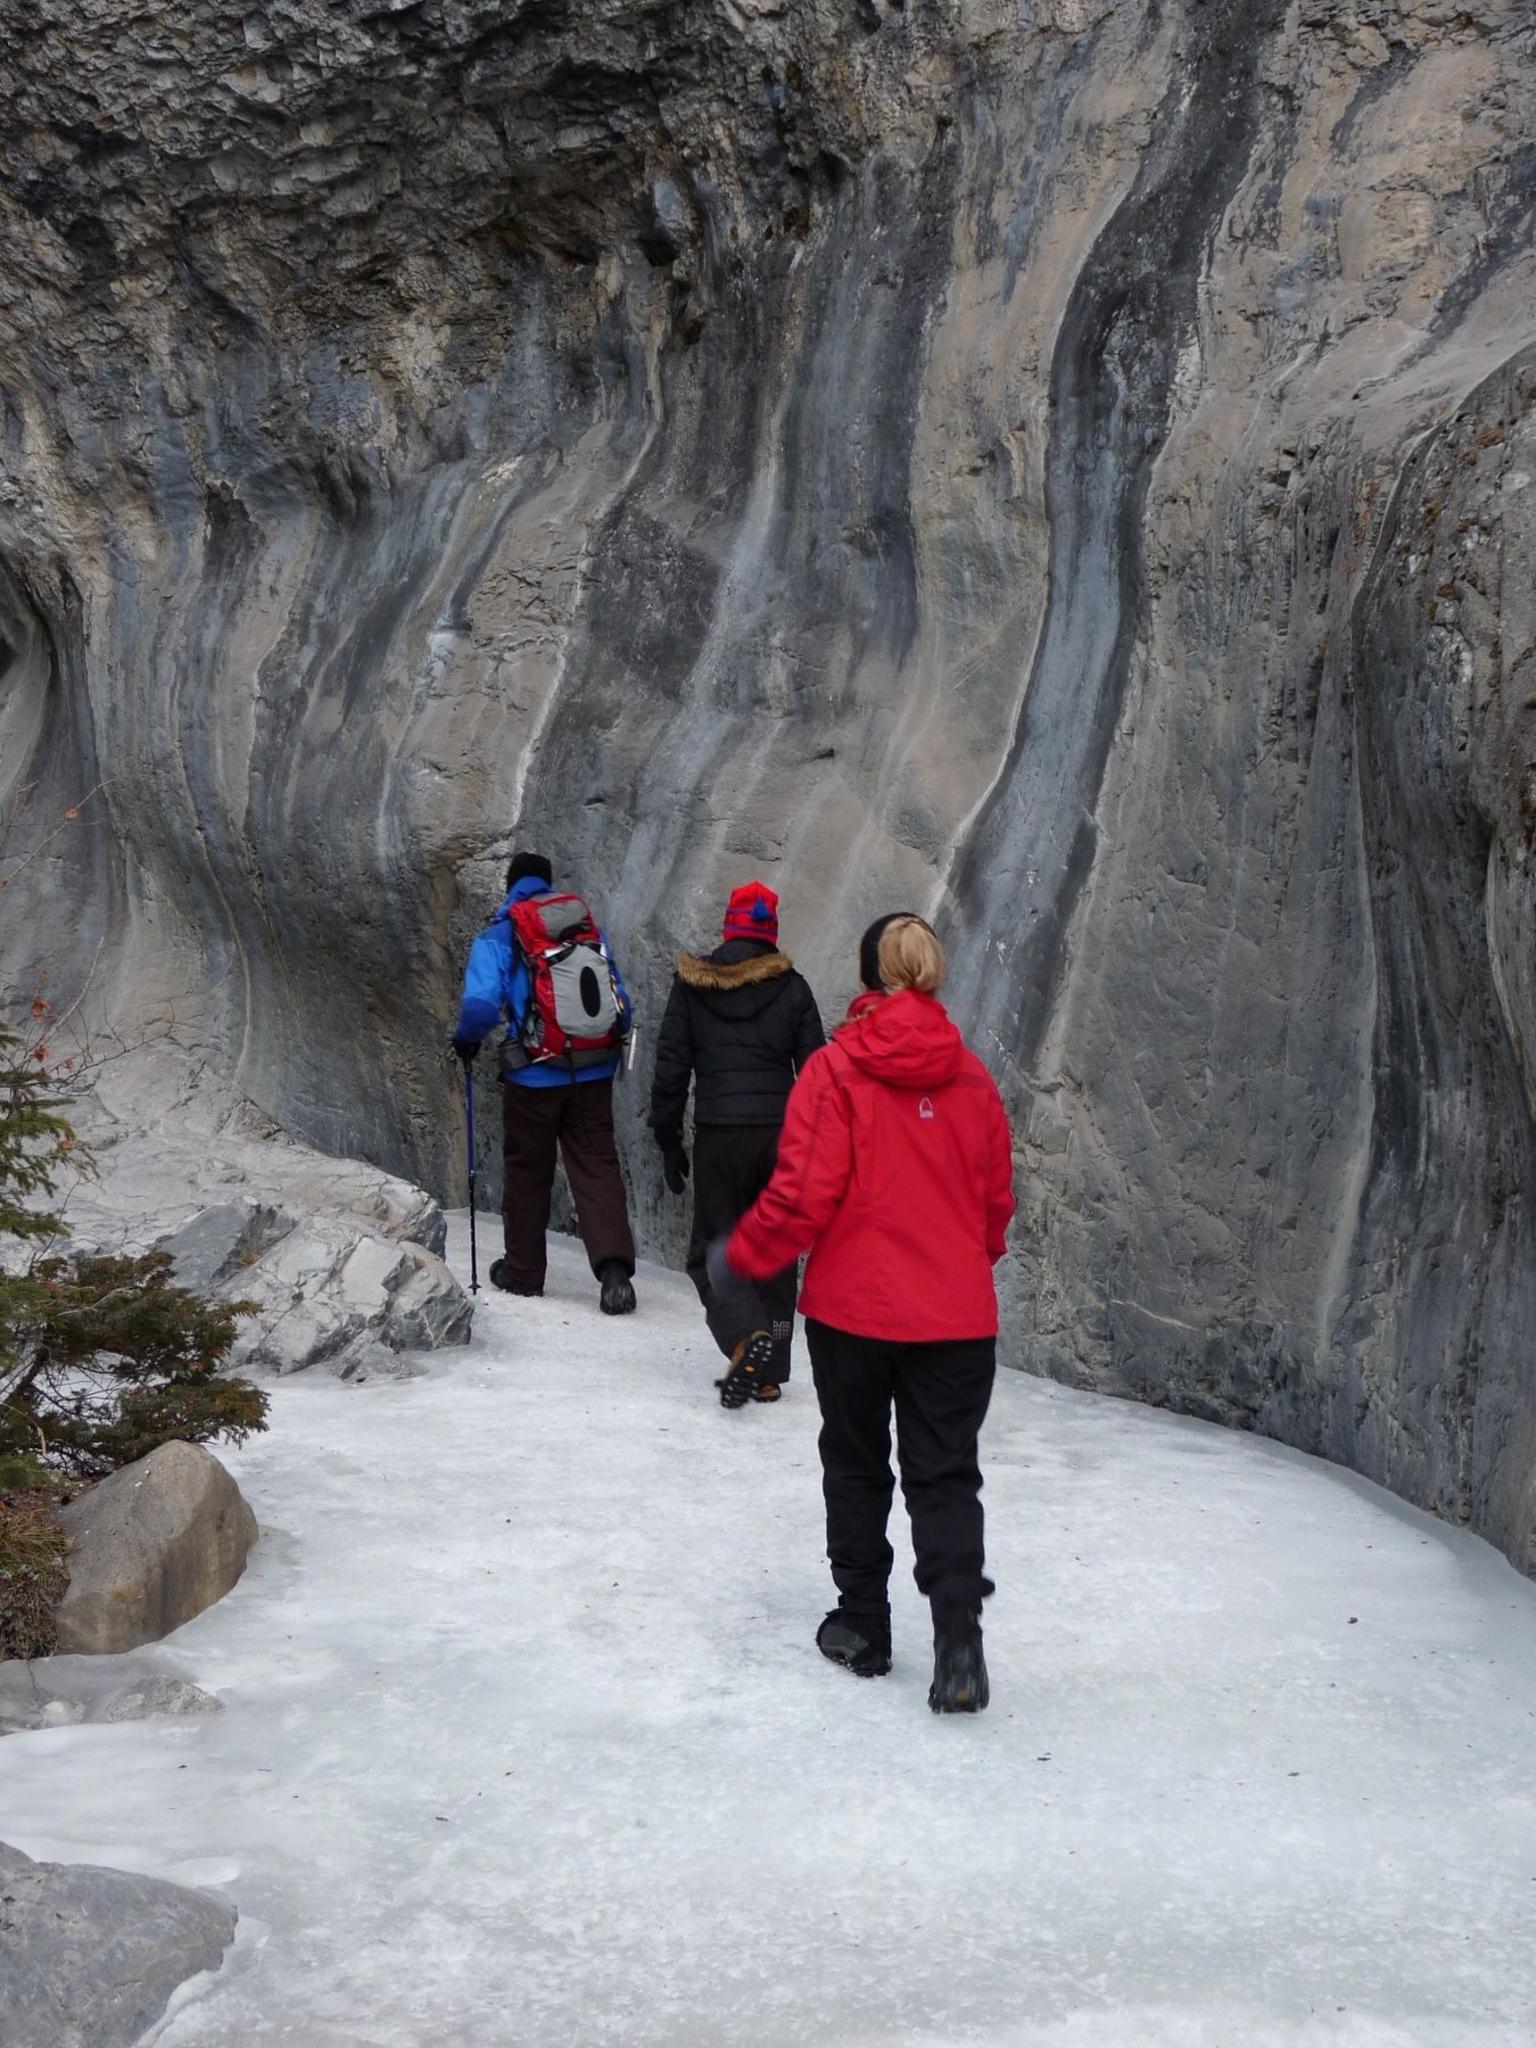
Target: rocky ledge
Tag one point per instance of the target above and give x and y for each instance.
(343, 1262)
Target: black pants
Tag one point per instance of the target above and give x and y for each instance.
(940, 1392)
(578, 1120)
(732, 1164)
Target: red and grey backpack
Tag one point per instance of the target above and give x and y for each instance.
(573, 1014)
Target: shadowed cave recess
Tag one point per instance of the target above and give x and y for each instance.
(1064, 466)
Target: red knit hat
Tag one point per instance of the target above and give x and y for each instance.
(753, 913)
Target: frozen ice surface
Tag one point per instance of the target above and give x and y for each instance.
(526, 1743)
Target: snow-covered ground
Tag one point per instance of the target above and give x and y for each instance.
(527, 1744)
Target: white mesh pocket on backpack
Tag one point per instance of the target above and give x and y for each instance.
(582, 987)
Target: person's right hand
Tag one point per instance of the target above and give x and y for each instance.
(723, 1277)
(465, 1049)
(674, 1168)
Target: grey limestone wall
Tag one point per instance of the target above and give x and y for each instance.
(1065, 466)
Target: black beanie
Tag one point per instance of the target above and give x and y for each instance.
(525, 865)
(869, 949)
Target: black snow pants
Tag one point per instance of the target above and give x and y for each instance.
(732, 1164)
(576, 1119)
(940, 1393)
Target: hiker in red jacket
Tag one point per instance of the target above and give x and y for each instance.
(895, 1172)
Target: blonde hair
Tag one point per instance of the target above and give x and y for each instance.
(910, 956)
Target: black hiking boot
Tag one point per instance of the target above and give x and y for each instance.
(749, 1362)
(861, 1646)
(959, 1669)
(498, 1279)
(617, 1297)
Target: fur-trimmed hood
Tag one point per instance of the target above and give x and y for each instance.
(708, 972)
(739, 980)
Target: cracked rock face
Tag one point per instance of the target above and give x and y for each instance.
(1066, 467)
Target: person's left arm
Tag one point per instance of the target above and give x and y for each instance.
(626, 1007)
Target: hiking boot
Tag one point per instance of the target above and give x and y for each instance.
(862, 1646)
(959, 1669)
(617, 1297)
(749, 1361)
(498, 1279)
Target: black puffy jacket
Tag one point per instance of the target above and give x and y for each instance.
(739, 1024)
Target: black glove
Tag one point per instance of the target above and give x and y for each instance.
(674, 1168)
(723, 1278)
(465, 1049)
(736, 1298)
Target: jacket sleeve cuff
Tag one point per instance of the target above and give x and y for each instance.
(476, 1019)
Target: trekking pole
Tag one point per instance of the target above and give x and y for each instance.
(469, 1125)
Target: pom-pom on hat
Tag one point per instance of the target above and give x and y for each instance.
(753, 913)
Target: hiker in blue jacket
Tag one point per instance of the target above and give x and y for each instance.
(550, 1102)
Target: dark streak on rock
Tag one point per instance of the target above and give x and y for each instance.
(1031, 850)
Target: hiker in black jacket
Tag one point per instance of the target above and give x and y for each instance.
(740, 1023)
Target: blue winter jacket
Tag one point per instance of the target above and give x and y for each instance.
(497, 983)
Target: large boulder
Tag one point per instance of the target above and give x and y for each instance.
(89, 1957)
(150, 1547)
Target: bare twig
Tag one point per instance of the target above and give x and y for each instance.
(68, 819)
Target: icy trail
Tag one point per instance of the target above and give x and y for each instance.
(526, 1744)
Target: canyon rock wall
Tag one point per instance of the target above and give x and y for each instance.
(1065, 466)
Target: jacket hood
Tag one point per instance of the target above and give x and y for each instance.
(739, 978)
(712, 971)
(520, 892)
(866, 1000)
(905, 1040)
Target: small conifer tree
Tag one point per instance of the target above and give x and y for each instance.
(102, 1357)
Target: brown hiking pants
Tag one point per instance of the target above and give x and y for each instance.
(578, 1120)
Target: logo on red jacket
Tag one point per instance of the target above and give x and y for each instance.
(925, 1110)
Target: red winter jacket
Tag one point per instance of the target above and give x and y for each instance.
(896, 1170)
